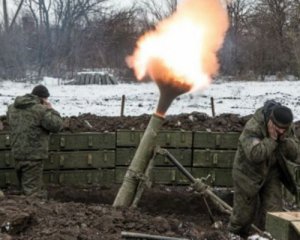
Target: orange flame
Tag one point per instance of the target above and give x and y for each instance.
(182, 49)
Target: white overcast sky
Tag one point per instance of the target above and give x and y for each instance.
(118, 3)
(12, 5)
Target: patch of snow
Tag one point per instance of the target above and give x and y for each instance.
(50, 81)
(236, 97)
(256, 237)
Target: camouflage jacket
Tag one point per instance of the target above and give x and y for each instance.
(30, 123)
(258, 154)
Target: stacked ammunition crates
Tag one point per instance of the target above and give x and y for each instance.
(103, 158)
(213, 155)
(7, 173)
(177, 142)
(74, 159)
(81, 159)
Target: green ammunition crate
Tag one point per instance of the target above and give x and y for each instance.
(4, 140)
(6, 160)
(168, 175)
(283, 225)
(294, 169)
(8, 178)
(80, 159)
(216, 140)
(170, 139)
(82, 141)
(184, 156)
(160, 175)
(296, 230)
(213, 158)
(219, 177)
(68, 160)
(80, 178)
(74, 178)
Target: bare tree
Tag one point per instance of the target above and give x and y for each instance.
(59, 36)
(113, 37)
(153, 11)
(271, 26)
(7, 25)
(57, 40)
(71, 15)
(16, 14)
(5, 15)
(160, 11)
(232, 54)
(294, 32)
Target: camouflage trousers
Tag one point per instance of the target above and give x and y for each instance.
(251, 209)
(30, 177)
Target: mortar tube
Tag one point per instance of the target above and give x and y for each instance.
(139, 163)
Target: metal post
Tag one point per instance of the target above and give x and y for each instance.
(212, 106)
(122, 105)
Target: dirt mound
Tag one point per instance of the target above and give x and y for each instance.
(166, 212)
(194, 121)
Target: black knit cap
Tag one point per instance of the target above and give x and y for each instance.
(40, 91)
(282, 116)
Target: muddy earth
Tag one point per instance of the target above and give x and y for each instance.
(87, 214)
(195, 121)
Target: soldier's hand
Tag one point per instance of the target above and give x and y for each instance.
(272, 130)
(282, 137)
(47, 104)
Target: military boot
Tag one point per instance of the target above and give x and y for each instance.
(2, 195)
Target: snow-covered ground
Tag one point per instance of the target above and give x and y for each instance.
(105, 100)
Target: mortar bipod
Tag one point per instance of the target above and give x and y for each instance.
(205, 190)
(197, 184)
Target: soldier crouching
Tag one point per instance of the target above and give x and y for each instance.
(267, 138)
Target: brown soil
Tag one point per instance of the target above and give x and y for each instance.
(192, 122)
(195, 121)
(87, 214)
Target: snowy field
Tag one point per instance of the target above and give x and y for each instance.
(105, 100)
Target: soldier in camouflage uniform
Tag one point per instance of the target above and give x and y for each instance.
(267, 137)
(31, 118)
